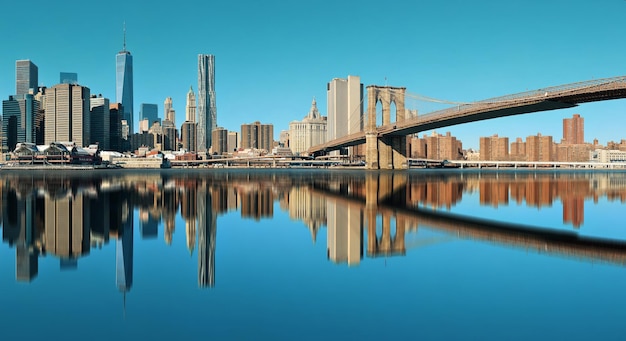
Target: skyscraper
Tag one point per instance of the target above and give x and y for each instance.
(68, 78)
(344, 107)
(100, 124)
(26, 76)
(207, 110)
(190, 110)
(19, 120)
(149, 112)
(124, 84)
(167, 106)
(67, 114)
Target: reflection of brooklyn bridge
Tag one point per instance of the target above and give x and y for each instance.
(67, 217)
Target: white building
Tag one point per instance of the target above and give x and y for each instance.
(605, 156)
(345, 107)
(309, 132)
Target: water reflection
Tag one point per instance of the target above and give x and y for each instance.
(67, 216)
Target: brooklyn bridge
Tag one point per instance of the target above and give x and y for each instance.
(385, 144)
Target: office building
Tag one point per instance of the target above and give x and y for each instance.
(124, 84)
(311, 131)
(170, 136)
(233, 141)
(67, 114)
(115, 126)
(149, 112)
(26, 77)
(344, 107)
(574, 130)
(188, 136)
(20, 121)
(167, 106)
(220, 141)
(257, 136)
(68, 78)
(207, 110)
(100, 122)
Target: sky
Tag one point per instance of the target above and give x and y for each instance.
(273, 57)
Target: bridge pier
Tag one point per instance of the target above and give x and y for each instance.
(386, 152)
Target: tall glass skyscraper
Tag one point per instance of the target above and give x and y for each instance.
(149, 112)
(207, 111)
(124, 84)
(26, 76)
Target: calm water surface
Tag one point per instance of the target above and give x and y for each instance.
(313, 254)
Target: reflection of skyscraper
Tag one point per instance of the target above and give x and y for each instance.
(207, 110)
(124, 251)
(310, 208)
(345, 233)
(26, 264)
(257, 203)
(66, 229)
(207, 228)
(148, 225)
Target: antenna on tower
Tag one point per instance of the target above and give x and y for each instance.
(124, 36)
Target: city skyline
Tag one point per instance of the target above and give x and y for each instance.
(465, 52)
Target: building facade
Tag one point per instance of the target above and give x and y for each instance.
(344, 107)
(100, 122)
(311, 131)
(574, 130)
(26, 77)
(20, 121)
(207, 110)
(257, 136)
(437, 147)
(233, 141)
(115, 126)
(190, 108)
(539, 148)
(494, 148)
(67, 114)
(68, 78)
(220, 141)
(188, 136)
(149, 112)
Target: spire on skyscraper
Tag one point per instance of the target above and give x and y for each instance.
(124, 49)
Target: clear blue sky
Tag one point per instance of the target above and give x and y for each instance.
(273, 57)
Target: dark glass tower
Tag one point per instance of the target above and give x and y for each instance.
(124, 84)
(26, 76)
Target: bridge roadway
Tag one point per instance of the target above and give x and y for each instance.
(541, 240)
(552, 98)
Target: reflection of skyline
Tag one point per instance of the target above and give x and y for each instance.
(69, 217)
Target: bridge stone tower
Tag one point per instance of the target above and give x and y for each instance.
(388, 152)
